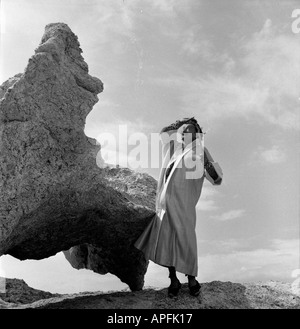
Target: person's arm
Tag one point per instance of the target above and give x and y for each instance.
(194, 162)
(213, 171)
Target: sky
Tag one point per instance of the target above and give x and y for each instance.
(232, 64)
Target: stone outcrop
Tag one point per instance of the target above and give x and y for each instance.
(53, 196)
(213, 295)
(18, 292)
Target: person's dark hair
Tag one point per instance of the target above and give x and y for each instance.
(178, 123)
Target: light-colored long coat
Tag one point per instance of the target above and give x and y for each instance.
(170, 238)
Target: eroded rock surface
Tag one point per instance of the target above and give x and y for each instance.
(18, 292)
(53, 196)
(214, 295)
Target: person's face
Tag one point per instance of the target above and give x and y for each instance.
(189, 134)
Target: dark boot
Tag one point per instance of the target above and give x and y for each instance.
(194, 286)
(175, 285)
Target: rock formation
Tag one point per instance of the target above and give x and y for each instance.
(53, 196)
(214, 295)
(18, 292)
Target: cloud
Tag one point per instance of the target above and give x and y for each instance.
(55, 274)
(122, 18)
(195, 43)
(124, 142)
(207, 201)
(2, 19)
(230, 215)
(273, 62)
(277, 261)
(208, 246)
(274, 155)
(274, 263)
(166, 6)
(115, 17)
(170, 7)
(261, 84)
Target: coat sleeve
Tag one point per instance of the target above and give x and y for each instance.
(194, 163)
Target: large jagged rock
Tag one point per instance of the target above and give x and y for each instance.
(53, 196)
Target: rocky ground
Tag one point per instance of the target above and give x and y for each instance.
(214, 295)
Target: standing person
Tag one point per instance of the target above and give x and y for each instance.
(170, 238)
